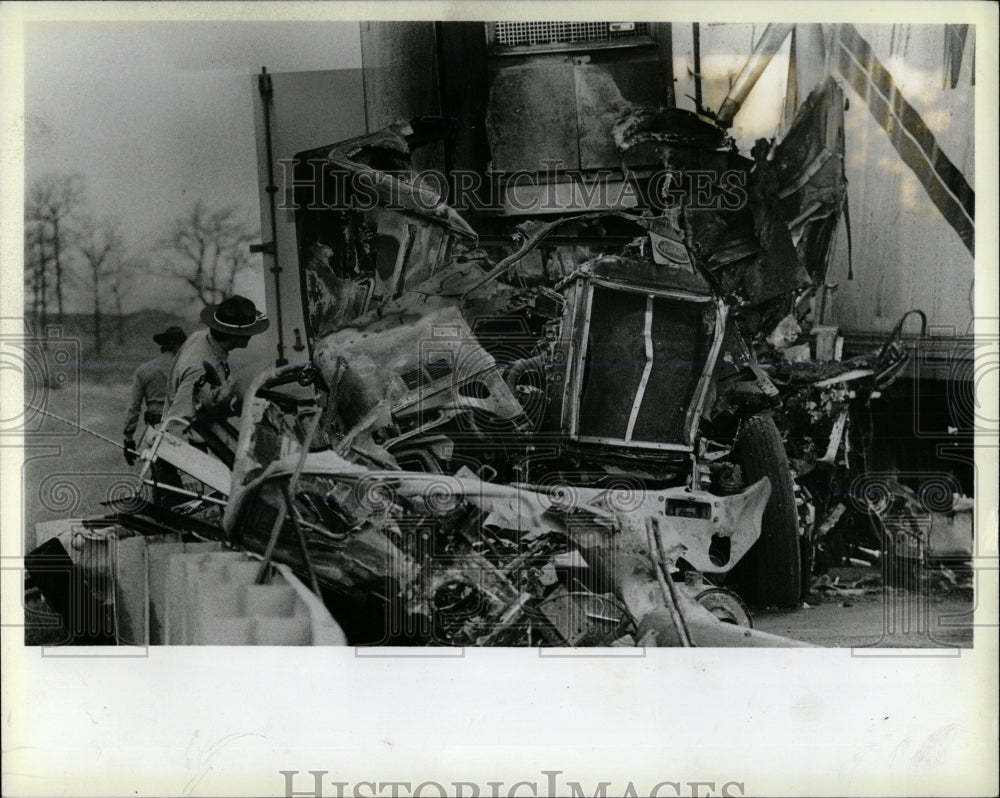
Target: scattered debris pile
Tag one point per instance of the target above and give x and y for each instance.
(573, 443)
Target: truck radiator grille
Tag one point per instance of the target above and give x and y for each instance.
(641, 374)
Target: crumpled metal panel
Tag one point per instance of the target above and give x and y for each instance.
(369, 364)
(672, 127)
(377, 233)
(809, 164)
(333, 300)
(531, 117)
(392, 188)
(688, 520)
(599, 102)
(733, 517)
(747, 247)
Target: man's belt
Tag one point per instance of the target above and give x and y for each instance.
(152, 419)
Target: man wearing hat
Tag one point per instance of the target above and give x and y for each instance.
(230, 325)
(149, 387)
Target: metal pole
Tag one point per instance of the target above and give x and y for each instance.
(286, 506)
(266, 93)
(300, 536)
(666, 42)
(656, 554)
(184, 492)
(770, 42)
(696, 46)
(82, 428)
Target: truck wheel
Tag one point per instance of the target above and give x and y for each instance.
(774, 567)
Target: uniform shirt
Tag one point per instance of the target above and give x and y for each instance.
(198, 349)
(149, 385)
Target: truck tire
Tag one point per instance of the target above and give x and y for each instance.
(774, 567)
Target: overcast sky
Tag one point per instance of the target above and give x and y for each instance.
(158, 114)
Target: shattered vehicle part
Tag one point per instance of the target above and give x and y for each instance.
(541, 442)
(356, 255)
(169, 448)
(369, 533)
(725, 605)
(161, 587)
(417, 382)
(604, 393)
(823, 423)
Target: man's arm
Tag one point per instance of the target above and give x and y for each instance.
(206, 390)
(218, 393)
(134, 406)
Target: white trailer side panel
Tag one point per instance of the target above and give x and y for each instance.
(905, 255)
(308, 110)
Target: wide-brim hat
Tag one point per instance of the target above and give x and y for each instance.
(236, 315)
(171, 335)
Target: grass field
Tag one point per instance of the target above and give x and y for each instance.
(66, 472)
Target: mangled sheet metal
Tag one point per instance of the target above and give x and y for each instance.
(355, 251)
(767, 229)
(469, 562)
(547, 446)
(811, 181)
(731, 217)
(508, 456)
(523, 390)
(432, 545)
(466, 487)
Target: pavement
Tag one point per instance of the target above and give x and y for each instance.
(931, 613)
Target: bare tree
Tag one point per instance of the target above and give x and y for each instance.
(121, 273)
(206, 250)
(35, 267)
(117, 283)
(101, 246)
(53, 202)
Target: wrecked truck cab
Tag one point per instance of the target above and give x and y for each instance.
(484, 452)
(483, 488)
(404, 556)
(434, 552)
